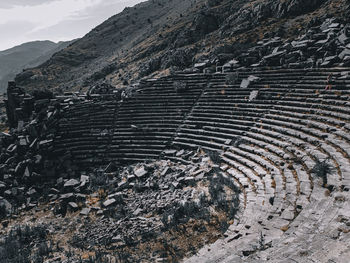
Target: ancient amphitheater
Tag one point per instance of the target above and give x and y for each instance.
(279, 134)
(268, 144)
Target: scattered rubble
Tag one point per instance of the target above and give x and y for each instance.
(248, 81)
(138, 206)
(327, 45)
(149, 199)
(135, 204)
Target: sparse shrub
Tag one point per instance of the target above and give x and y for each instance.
(38, 259)
(166, 219)
(298, 160)
(102, 194)
(219, 197)
(124, 256)
(2, 211)
(233, 209)
(322, 169)
(69, 253)
(99, 257)
(215, 190)
(261, 241)
(214, 157)
(77, 241)
(203, 199)
(181, 212)
(16, 247)
(43, 249)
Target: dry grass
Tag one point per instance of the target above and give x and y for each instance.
(273, 183)
(284, 228)
(327, 193)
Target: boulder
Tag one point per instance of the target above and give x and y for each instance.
(166, 171)
(26, 173)
(253, 95)
(2, 187)
(85, 211)
(116, 196)
(84, 179)
(73, 206)
(137, 212)
(200, 65)
(109, 202)
(344, 53)
(71, 183)
(344, 39)
(245, 83)
(31, 192)
(140, 172)
(67, 197)
(5, 208)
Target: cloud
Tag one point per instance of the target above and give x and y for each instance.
(65, 30)
(54, 20)
(14, 28)
(13, 3)
(82, 21)
(15, 32)
(107, 7)
(46, 14)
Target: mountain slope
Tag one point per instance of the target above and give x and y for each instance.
(31, 54)
(161, 35)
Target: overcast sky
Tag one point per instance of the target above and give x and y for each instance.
(56, 20)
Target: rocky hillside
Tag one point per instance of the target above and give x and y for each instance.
(31, 54)
(159, 36)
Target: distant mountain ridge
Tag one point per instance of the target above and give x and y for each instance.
(27, 55)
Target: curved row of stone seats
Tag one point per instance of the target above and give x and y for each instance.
(316, 219)
(219, 102)
(157, 109)
(324, 107)
(84, 131)
(137, 128)
(247, 172)
(150, 118)
(280, 148)
(268, 146)
(286, 78)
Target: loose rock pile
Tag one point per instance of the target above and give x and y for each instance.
(27, 162)
(134, 205)
(143, 202)
(326, 45)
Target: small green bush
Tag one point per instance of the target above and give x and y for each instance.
(322, 169)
